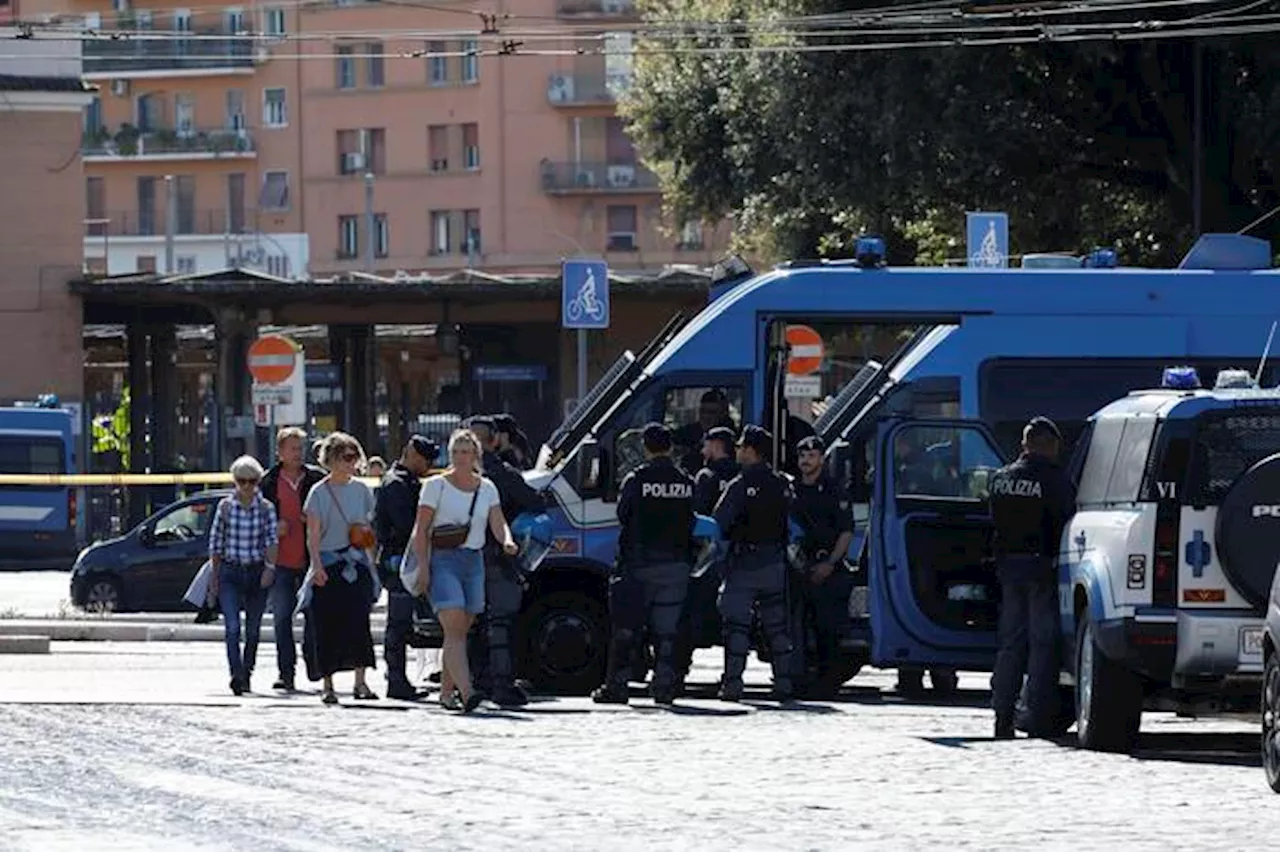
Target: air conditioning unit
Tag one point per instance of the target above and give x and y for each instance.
(622, 176)
(560, 89)
(120, 88)
(353, 162)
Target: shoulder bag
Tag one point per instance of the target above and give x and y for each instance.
(359, 536)
(453, 536)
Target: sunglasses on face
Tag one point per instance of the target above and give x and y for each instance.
(240, 481)
(349, 457)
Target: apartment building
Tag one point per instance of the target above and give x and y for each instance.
(189, 154)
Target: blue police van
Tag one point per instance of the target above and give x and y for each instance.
(924, 369)
(37, 522)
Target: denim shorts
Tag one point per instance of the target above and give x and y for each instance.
(457, 580)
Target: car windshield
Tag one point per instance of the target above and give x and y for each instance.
(184, 523)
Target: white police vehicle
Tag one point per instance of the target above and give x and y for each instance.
(1166, 567)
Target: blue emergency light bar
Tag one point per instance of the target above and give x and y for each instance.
(869, 252)
(1180, 378)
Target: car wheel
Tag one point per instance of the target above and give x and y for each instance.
(1108, 697)
(565, 638)
(102, 595)
(1271, 721)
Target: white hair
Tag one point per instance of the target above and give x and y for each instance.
(246, 467)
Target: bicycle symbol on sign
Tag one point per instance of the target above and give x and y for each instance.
(585, 302)
(988, 254)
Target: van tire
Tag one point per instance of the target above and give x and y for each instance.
(564, 637)
(1108, 697)
(839, 671)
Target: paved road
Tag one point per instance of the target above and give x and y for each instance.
(40, 594)
(139, 747)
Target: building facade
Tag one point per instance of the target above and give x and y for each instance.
(263, 136)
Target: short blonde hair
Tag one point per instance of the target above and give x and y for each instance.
(290, 432)
(468, 438)
(335, 444)
(246, 467)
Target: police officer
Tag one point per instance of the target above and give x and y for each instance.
(395, 512)
(503, 586)
(655, 547)
(821, 585)
(708, 485)
(1031, 501)
(513, 444)
(753, 515)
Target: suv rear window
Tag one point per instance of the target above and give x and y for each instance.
(1226, 445)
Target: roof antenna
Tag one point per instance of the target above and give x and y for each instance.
(1265, 352)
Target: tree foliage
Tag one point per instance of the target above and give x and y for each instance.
(1086, 143)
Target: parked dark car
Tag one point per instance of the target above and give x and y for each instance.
(149, 568)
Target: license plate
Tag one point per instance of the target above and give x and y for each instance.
(1251, 641)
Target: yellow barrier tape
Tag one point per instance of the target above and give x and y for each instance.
(77, 480)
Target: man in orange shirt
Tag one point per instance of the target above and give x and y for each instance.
(286, 486)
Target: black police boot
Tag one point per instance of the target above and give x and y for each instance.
(402, 690)
(1004, 728)
(731, 689)
(782, 690)
(611, 693)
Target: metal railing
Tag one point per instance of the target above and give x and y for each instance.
(565, 178)
(585, 89)
(126, 53)
(151, 223)
(129, 141)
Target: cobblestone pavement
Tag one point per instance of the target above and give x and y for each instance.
(123, 746)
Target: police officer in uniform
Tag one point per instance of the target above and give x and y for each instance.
(394, 515)
(655, 547)
(822, 585)
(1031, 501)
(753, 516)
(708, 485)
(503, 585)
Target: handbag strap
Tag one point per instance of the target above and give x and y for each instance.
(337, 505)
(471, 512)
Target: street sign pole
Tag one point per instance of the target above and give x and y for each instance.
(582, 363)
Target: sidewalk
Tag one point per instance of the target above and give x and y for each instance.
(160, 627)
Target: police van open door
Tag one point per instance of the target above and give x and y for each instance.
(934, 590)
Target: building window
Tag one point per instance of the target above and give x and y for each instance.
(275, 108)
(440, 232)
(438, 147)
(185, 188)
(381, 235)
(235, 203)
(148, 112)
(437, 63)
(622, 227)
(95, 206)
(346, 67)
(471, 231)
(146, 263)
(471, 146)
(361, 151)
(278, 265)
(348, 237)
(93, 118)
(235, 109)
(470, 61)
(273, 21)
(186, 264)
(374, 68)
(275, 191)
(690, 236)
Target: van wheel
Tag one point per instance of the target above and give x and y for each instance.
(1108, 697)
(566, 643)
(1271, 721)
(838, 672)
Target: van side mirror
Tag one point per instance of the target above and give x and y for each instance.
(587, 468)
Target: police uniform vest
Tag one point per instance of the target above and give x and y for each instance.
(711, 483)
(763, 519)
(661, 525)
(818, 508)
(1026, 505)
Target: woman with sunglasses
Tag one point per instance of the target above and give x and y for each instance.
(453, 510)
(340, 583)
(242, 549)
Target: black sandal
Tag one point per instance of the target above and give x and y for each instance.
(472, 702)
(364, 693)
(329, 697)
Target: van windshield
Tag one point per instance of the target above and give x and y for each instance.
(25, 455)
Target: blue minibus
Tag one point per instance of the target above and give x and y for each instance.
(37, 522)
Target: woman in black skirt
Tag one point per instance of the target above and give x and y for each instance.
(342, 585)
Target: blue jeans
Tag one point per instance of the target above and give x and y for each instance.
(284, 596)
(240, 588)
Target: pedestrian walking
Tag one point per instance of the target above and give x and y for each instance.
(393, 519)
(341, 583)
(453, 511)
(753, 513)
(377, 467)
(493, 666)
(242, 548)
(648, 586)
(286, 486)
(1031, 501)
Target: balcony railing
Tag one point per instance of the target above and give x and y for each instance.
(586, 89)
(138, 53)
(573, 178)
(620, 9)
(151, 223)
(129, 141)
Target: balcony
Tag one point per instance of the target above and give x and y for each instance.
(596, 178)
(578, 90)
(190, 222)
(130, 143)
(215, 52)
(614, 10)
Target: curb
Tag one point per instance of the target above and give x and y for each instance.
(20, 644)
(105, 631)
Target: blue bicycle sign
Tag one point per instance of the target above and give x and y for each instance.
(585, 294)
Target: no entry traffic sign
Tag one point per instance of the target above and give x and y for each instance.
(272, 359)
(806, 350)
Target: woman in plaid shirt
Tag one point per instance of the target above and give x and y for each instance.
(242, 548)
